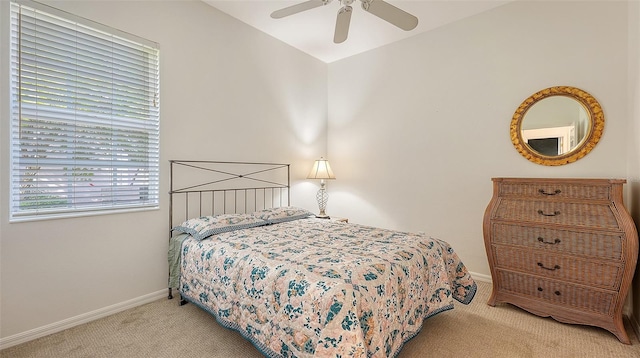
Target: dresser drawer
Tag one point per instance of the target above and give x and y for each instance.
(598, 216)
(602, 245)
(556, 292)
(556, 190)
(600, 274)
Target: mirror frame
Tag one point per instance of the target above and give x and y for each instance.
(596, 126)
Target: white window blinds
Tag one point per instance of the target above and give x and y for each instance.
(84, 116)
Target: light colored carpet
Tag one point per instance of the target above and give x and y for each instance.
(164, 329)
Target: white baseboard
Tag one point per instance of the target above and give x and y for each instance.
(635, 325)
(481, 277)
(55, 327)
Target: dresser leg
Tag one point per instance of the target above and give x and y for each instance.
(619, 331)
(492, 299)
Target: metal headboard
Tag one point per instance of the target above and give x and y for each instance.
(215, 187)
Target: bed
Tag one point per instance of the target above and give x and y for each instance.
(299, 286)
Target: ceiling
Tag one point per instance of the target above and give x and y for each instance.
(312, 31)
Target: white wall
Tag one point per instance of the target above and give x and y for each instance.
(417, 129)
(228, 92)
(634, 139)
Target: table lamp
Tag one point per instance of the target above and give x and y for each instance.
(321, 170)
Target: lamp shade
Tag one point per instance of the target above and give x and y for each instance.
(321, 170)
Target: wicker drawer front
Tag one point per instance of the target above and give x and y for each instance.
(595, 273)
(558, 293)
(555, 190)
(555, 212)
(592, 244)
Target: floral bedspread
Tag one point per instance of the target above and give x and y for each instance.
(319, 288)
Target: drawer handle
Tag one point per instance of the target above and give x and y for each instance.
(556, 267)
(557, 293)
(543, 192)
(555, 242)
(555, 213)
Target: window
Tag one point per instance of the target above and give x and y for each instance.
(84, 116)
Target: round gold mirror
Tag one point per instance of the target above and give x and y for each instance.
(557, 125)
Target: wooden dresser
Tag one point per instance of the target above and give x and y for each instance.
(564, 248)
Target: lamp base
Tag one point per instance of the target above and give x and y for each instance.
(322, 198)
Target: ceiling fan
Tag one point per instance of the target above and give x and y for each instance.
(379, 8)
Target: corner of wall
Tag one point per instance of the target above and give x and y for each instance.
(633, 157)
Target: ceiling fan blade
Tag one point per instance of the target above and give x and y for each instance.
(391, 14)
(342, 25)
(294, 9)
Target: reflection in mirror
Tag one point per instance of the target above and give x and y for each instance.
(557, 125)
